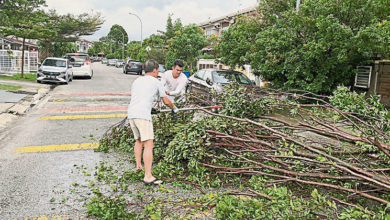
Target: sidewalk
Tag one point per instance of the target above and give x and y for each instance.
(15, 103)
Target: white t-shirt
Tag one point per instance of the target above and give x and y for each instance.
(143, 92)
(175, 87)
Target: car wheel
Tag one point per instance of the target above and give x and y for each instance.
(39, 81)
(90, 77)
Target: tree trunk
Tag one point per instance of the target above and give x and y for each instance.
(22, 73)
(47, 52)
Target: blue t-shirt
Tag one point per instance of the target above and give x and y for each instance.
(143, 92)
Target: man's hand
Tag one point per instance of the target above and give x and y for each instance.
(175, 110)
(155, 111)
(168, 93)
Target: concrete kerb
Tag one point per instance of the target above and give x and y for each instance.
(35, 92)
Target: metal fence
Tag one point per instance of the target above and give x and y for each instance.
(11, 61)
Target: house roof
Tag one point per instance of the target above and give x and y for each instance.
(229, 16)
(16, 41)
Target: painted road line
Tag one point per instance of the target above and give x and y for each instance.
(93, 94)
(88, 109)
(55, 217)
(61, 99)
(52, 148)
(70, 117)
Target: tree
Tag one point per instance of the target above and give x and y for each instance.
(236, 44)
(69, 28)
(118, 34)
(157, 54)
(59, 49)
(170, 31)
(178, 25)
(25, 19)
(315, 49)
(133, 48)
(187, 44)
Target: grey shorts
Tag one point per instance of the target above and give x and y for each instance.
(142, 129)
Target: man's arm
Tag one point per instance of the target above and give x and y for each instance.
(179, 89)
(168, 102)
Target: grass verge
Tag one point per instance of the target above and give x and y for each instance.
(26, 77)
(9, 87)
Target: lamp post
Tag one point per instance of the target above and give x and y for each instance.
(140, 22)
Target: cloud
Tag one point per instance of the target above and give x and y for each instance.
(153, 13)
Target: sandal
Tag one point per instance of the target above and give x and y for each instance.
(154, 182)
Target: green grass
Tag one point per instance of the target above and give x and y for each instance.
(27, 77)
(9, 87)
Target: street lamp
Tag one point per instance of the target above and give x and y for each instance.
(140, 22)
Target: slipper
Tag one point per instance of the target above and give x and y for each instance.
(154, 182)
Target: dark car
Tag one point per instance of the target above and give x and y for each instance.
(132, 66)
(205, 80)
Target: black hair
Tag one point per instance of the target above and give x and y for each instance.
(178, 63)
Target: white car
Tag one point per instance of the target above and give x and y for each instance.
(81, 64)
(55, 70)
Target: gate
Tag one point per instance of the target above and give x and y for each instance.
(11, 61)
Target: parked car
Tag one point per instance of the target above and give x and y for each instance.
(205, 80)
(133, 66)
(119, 63)
(81, 64)
(55, 70)
(104, 60)
(111, 62)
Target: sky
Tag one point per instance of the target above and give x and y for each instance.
(152, 13)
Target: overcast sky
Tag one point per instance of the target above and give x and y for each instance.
(153, 13)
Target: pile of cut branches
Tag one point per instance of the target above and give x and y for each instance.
(339, 145)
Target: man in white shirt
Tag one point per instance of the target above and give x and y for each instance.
(174, 80)
(139, 116)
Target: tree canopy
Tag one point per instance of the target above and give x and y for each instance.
(187, 44)
(315, 49)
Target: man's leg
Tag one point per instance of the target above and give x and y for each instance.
(148, 160)
(138, 153)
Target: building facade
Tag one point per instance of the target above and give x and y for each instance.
(83, 45)
(15, 43)
(217, 25)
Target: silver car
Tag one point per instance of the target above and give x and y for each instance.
(56, 70)
(111, 62)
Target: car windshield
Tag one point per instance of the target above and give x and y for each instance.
(161, 68)
(56, 63)
(230, 76)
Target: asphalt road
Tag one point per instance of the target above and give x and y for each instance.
(38, 153)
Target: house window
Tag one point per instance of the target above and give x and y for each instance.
(208, 32)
